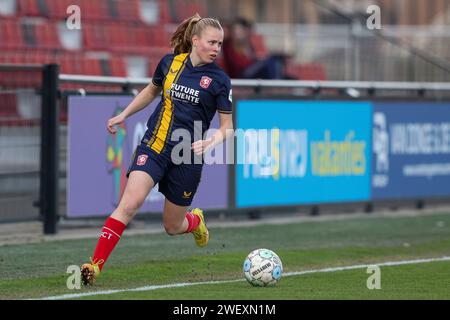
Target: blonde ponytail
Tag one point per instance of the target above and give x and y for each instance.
(181, 40)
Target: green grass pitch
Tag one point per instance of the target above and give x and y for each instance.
(39, 270)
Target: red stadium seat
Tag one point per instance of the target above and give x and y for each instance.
(159, 37)
(64, 65)
(185, 9)
(164, 12)
(142, 36)
(118, 67)
(95, 10)
(8, 106)
(12, 58)
(28, 57)
(121, 37)
(11, 34)
(91, 67)
(57, 9)
(29, 8)
(70, 64)
(124, 38)
(88, 37)
(128, 10)
(47, 36)
(90, 9)
(95, 37)
(152, 37)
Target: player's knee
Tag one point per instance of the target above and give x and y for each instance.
(130, 206)
(171, 228)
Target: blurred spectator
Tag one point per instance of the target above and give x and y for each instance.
(240, 59)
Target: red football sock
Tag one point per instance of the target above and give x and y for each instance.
(110, 236)
(193, 221)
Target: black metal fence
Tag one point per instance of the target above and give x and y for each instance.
(29, 144)
(20, 132)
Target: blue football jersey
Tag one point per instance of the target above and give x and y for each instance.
(190, 96)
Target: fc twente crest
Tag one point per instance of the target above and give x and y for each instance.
(205, 82)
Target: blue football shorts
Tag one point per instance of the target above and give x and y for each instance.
(177, 182)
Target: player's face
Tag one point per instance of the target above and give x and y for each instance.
(208, 45)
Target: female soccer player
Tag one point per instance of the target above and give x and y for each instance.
(193, 89)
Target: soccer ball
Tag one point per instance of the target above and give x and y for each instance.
(262, 268)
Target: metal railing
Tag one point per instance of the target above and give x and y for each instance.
(253, 83)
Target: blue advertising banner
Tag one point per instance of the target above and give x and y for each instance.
(300, 152)
(411, 150)
(98, 161)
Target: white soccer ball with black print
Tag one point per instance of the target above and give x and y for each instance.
(263, 268)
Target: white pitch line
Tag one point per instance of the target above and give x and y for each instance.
(287, 274)
(146, 288)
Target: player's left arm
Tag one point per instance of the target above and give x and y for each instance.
(224, 132)
(225, 129)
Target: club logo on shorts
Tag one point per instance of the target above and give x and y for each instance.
(142, 159)
(187, 195)
(205, 82)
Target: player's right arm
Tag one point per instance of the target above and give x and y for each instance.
(147, 95)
